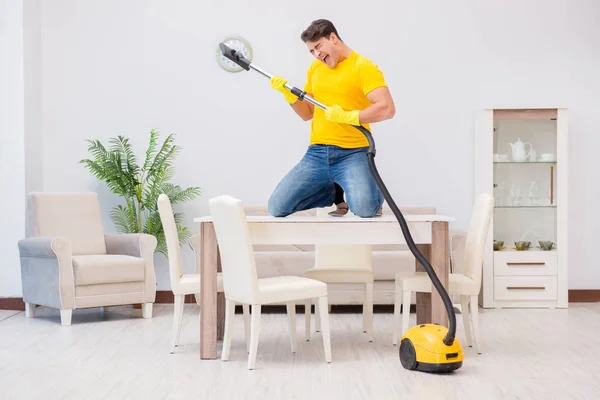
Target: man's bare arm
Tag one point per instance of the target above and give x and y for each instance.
(304, 109)
(382, 106)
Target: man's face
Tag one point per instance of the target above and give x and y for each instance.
(325, 50)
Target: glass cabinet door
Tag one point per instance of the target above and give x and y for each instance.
(525, 171)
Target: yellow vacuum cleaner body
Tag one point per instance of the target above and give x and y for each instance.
(422, 348)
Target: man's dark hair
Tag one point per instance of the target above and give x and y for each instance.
(318, 29)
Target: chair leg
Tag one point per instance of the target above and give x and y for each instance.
(29, 310)
(246, 309)
(323, 306)
(318, 318)
(291, 311)
(307, 314)
(368, 311)
(475, 318)
(364, 310)
(405, 311)
(464, 305)
(229, 312)
(65, 317)
(255, 330)
(147, 310)
(397, 307)
(177, 319)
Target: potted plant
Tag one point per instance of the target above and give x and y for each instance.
(140, 186)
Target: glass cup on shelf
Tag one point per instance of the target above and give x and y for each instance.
(515, 195)
(534, 194)
(546, 199)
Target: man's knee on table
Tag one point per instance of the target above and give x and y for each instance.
(365, 206)
(278, 208)
(366, 212)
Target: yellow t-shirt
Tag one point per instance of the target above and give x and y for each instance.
(346, 85)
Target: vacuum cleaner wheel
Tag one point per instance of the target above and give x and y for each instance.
(408, 355)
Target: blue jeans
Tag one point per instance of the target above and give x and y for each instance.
(310, 184)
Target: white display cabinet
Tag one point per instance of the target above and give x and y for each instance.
(521, 158)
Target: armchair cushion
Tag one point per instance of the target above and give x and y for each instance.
(72, 215)
(107, 268)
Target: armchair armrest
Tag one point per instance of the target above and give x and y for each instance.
(47, 272)
(131, 244)
(139, 245)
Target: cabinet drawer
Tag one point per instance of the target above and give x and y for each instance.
(525, 288)
(525, 262)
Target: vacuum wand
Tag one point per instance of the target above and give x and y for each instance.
(239, 59)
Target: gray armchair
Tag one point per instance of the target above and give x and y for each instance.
(70, 262)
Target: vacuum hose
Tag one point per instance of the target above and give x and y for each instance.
(449, 338)
(239, 59)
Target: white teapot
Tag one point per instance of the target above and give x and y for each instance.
(518, 150)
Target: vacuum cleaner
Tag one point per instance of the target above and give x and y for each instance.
(424, 347)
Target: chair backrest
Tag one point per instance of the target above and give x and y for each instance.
(342, 255)
(171, 238)
(75, 216)
(477, 236)
(195, 243)
(240, 279)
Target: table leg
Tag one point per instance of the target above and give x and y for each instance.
(220, 304)
(430, 307)
(208, 291)
(440, 263)
(423, 299)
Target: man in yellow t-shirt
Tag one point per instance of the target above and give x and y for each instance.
(335, 162)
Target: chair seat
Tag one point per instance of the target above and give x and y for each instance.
(340, 274)
(288, 288)
(107, 268)
(457, 283)
(190, 284)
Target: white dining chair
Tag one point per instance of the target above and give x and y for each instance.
(242, 285)
(466, 284)
(184, 284)
(343, 264)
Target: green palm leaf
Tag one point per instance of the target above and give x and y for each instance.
(124, 220)
(140, 187)
(151, 152)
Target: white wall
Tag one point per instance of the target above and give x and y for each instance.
(12, 148)
(125, 67)
(34, 138)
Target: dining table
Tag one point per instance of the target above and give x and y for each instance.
(429, 233)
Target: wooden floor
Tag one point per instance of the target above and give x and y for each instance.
(528, 354)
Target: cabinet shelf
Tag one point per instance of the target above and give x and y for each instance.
(517, 207)
(525, 162)
(530, 250)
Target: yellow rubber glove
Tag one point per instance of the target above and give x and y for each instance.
(278, 83)
(339, 115)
